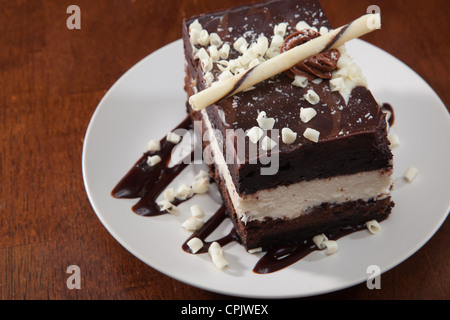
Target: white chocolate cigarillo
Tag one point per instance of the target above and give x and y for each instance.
(285, 61)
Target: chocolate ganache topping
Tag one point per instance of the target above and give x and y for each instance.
(319, 66)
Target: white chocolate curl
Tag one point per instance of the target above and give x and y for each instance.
(285, 61)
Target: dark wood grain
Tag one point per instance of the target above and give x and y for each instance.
(52, 79)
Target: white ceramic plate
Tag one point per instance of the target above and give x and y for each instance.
(149, 100)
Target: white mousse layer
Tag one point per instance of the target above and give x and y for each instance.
(297, 199)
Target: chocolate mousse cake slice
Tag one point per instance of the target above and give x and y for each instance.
(300, 154)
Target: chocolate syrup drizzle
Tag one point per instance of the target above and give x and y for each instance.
(208, 228)
(284, 256)
(147, 183)
(389, 110)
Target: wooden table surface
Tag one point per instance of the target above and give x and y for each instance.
(51, 81)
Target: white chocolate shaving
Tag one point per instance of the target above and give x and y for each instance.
(195, 244)
(225, 75)
(224, 51)
(184, 192)
(272, 52)
(255, 250)
(264, 122)
(312, 135)
(192, 224)
(323, 30)
(331, 246)
(166, 205)
(410, 174)
(215, 249)
(223, 63)
(300, 81)
(347, 76)
(201, 185)
(319, 241)
(202, 54)
(194, 35)
(207, 64)
(203, 39)
(209, 78)
(233, 65)
(216, 253)
(306, 114)
(153, 160)
(202, 174)
(240, 45)
(214, 53)
(337, 84)
(169, 194)
(197, 211)
(195, 26)
(312, 97)
(373, 226)
(262, 44)
(280, 29)
(277, 41)
(154, 145)
(394, 140)
(214, 40)
(302, 25)
(173, 137)
(288, 136)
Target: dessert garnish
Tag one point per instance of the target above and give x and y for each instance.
(318, 66)
(284, 61)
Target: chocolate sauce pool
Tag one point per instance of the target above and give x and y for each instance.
(147, 183)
